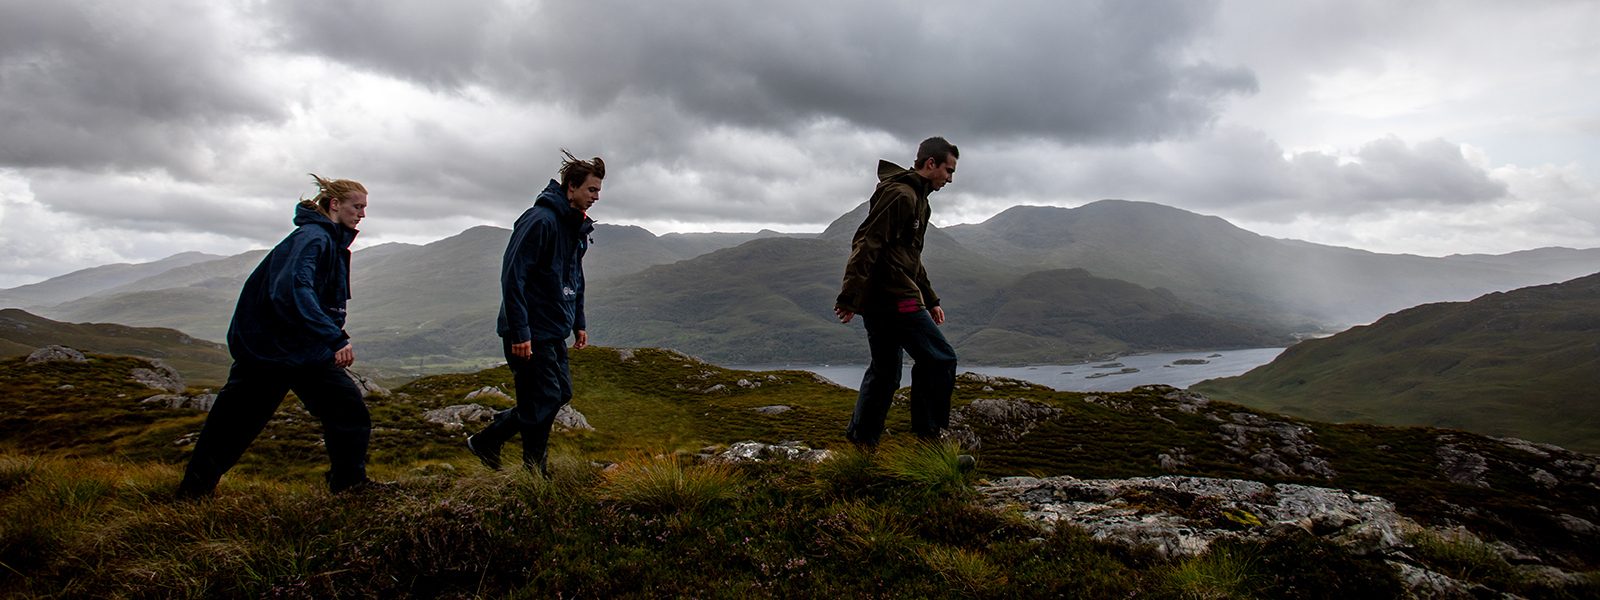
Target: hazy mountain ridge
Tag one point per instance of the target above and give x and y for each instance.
(770, 299)
(1524, 363)
(1211, 262)
(85, 282)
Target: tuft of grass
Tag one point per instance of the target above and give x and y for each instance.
(1223, 572)
(963, 569)
(865, 533)
(929, 466)
(662, 483)
(1464, 557)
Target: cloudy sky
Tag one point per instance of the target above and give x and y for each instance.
(130, 131)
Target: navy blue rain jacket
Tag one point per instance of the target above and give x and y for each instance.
(292, 308)
(541, 277)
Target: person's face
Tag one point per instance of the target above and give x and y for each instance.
(940, 173)
(350, 210)
(585, 195)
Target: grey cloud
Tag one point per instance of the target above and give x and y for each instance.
(1076, 73)
(159, 208)
(92, 84)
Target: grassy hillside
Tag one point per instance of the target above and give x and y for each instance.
(1523, 363)
(200, 362)
(78, 284)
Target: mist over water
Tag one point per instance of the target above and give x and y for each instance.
(1096, 376)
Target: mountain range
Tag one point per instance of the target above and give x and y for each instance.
(1524, 363)
(1030, 285)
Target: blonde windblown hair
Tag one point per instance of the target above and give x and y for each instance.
(329, 190)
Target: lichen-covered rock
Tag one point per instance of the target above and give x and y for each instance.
(570, 419)
(753, 451)
(1182, 516)
(488, 391)
(1460, 464)
(368, 387)
(55, 353)
(776, 409)
(159, 376)
(182, 401)
(456, 417)
(1276, 448)
(1000, 419)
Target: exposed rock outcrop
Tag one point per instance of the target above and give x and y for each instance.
(55, 353)
(182, 401)
(753, 451)
(1182, 516)
(1000, 419)
(159, 376)
(368, 387)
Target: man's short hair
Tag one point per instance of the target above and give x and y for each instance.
(938, 149)
(574, 172)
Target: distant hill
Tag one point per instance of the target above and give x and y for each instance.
(771, 301)
(200, 362)
(1198, 283)
(1524, 363)
(1211, 262)
(78, 284)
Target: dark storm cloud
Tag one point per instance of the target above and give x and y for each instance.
(1072, 72)
(88, 84)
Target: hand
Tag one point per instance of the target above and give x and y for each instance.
(844, 315)
(345, 357)
(937, 313)
(522, 350)
(580, 339)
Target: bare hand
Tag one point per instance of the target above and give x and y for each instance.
(844, 315)
(522, 350)
(580, 340)
(345, 357)
(938, 315)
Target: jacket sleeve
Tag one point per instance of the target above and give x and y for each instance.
(868, 248)
(523, 256)
(578, 322)
(294, 292)
(929, 299)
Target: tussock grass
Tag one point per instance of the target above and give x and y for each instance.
(662, 483)
(965, 570)
(1465, 558)
(1225, 572)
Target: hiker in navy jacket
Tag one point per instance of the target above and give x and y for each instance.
(288, 334)
(541, 303)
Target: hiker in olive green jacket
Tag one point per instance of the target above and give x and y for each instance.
(885, 283)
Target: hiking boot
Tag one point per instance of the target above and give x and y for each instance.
(490, 457)
(966, 463)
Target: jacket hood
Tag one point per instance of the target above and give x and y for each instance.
(306, 213)
(556, 199)
(889, 172)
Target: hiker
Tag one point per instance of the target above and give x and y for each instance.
(541, 303)
(885, 283)
(287, 334)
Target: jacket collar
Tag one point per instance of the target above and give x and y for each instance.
(306, 213)
(889, 172)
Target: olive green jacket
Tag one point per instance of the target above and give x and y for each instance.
(885, 263)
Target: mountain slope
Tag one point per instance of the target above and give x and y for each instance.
(1524, 363)
(1209, 261)
(199, 361)
(78, 284)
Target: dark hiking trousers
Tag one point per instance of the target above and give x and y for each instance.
(249, 399)
(544, 385)
(933, 375)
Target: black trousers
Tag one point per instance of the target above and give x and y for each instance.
(544, 385)
(249, 399)
(933, 375)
